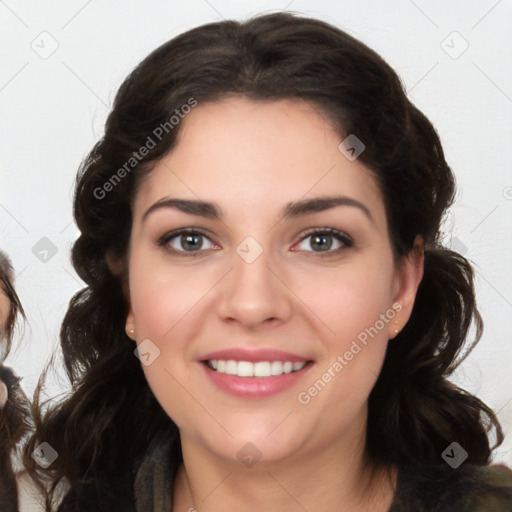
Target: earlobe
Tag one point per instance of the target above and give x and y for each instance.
(409, 278)
(113, 263)
(130, 325)
(116, 266)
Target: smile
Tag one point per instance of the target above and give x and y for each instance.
(255, 380)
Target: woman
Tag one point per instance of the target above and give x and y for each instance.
(270, 317)
(14, 405)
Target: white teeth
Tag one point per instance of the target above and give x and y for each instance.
(231, 367)
(259, 369)
(245, 369)
(276, 367)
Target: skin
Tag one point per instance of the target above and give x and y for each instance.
(5, 306)
(5, 303)
(266, 155)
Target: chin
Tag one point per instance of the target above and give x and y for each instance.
(251, 446)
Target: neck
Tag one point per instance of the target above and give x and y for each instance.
(332, 477)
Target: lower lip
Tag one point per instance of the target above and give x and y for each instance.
(255, 387)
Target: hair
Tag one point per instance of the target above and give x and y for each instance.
(14, 404)
(15, 307)
(415, 412)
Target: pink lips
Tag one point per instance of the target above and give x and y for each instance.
(242, 354)
(254, 387)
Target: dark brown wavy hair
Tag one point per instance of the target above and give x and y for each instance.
(15, 413)
(108, 419)
(15, 307)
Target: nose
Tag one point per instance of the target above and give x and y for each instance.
(254, 292)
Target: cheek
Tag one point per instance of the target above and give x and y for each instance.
(169, 387)
(161, 307)
(162, 297)
(351, 298)
(355, 304)
(165, 303)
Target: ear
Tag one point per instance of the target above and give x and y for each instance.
(408, 278)
(117, 268)
(130, 326)
(114, 263)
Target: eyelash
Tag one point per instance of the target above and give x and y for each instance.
(338, 235)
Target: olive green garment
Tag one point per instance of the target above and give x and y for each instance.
(433, 488)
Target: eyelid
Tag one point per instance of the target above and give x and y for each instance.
(327, 230)
(342, 237)
(345, 239)
(167, 237)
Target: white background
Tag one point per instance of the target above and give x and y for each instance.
(54, 108)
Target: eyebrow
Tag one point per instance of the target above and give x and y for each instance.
(291, 210)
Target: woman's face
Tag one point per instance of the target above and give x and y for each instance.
(253, 291)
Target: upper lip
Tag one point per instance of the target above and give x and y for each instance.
(253, 355)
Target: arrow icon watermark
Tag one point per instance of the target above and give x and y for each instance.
(351, 147)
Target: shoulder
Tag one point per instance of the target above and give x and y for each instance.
(481, 488)
(469, 488)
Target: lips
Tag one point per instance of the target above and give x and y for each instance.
(254, 373)
(254, 356)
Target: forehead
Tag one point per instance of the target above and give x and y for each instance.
(258, 154)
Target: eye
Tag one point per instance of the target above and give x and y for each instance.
(191, 241)
(323, 239)
(185, 242)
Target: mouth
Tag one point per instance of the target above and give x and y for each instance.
(254, 374)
